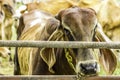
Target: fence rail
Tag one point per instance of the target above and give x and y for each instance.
(60, 44)
(62, 77)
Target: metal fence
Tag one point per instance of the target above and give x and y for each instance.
(59, 44)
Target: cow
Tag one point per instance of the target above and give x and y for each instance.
(6, 22)
(72, 24)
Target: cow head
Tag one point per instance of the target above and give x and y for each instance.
(80, 23)
(8, 7)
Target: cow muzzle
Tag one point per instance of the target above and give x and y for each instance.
(88, 68)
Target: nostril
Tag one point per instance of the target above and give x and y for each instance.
(88, 68)
(82, 66)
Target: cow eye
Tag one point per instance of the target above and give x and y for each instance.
(5, 5)
(71, 37)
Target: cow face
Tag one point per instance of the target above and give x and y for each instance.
(80, 23)
(8, 7)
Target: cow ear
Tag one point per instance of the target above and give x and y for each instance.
(107, 56)
(48, 56)
(108, 60)
(59, 15)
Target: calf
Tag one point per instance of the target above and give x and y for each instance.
(72, 24)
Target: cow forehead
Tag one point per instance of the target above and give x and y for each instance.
(79, 10)
(80, 22)
(82, 16)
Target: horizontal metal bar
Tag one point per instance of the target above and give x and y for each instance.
(60, 44)
(57, 77)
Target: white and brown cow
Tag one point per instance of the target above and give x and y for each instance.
(72, 24)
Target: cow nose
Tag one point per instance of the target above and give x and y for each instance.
(88, 68)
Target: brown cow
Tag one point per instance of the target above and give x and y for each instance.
(73, 24)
